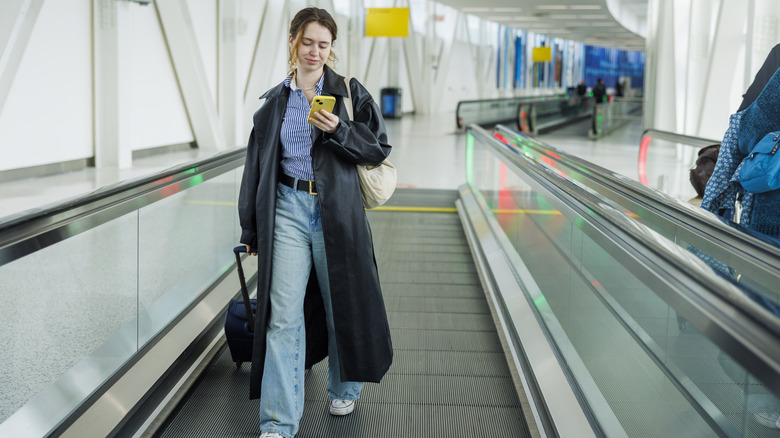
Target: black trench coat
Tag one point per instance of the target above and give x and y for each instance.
(362, 331)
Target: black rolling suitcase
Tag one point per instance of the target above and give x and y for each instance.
(240, 319)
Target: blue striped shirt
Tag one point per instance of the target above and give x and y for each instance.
(296, 134)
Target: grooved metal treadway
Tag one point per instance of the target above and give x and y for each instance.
(449, 376)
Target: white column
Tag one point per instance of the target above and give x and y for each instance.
(355, 37)
(190, 72)
(723, 79)
(230, 94)
(112, 39)
(701, 57)
(694, 58)
(17, 19)
(272, 38)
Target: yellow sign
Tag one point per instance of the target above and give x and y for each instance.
(387, 22)
(542, 54)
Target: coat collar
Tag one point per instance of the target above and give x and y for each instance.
(333, 85)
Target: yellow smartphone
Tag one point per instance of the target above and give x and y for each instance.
(321, 102)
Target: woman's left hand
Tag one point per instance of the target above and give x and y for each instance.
(327, 122)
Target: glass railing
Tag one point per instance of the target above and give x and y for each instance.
(610, 293)
(666, 147)
(747, 259)
(609, 116)
(530, 114)
(86, 285)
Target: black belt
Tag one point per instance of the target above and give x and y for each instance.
(303, 184)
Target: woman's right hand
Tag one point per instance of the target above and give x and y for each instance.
(249, 251)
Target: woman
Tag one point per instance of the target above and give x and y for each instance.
(301, 212)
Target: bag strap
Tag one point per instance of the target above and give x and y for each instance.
(348, 101)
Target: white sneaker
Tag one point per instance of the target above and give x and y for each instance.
(271, 435)
(341, 407)
(768, 419)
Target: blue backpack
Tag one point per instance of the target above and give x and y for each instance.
(760, 171)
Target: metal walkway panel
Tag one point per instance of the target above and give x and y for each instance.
(449, 375)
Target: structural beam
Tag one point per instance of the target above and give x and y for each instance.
(191, 74)
(229, 93)
(111, 39)
(17, 19)
(727, 44)
(272, 27)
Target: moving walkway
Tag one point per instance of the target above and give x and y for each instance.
(541, 299)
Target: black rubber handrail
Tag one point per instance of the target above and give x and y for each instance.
(754, 257)
(37, 228)
(519, 100)
(721, 311)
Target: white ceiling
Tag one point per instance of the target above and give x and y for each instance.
(586, 21)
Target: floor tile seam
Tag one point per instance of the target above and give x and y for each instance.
(453, 297)
(487, 311)
(449, 331)
(445, 350)
(439, 297)
(444, 330)
(448, 312)
(499, 403)
(397, 248)
(429, 284)
(429, 272)
(452, 376)
(435, 299)
(421, 243)
(507, 406)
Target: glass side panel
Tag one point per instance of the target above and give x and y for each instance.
(59, 305)
(760, 285)
(643, 370)
(74, 313)
(185, 241)
(666, 167)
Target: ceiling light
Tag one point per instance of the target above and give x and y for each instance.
(585, 7)
(552, 7)
(593, 17)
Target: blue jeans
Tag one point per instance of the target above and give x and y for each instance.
(298, 242)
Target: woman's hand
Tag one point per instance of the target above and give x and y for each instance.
(249, 251)
(327, 122)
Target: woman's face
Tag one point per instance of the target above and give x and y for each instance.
(314, 48)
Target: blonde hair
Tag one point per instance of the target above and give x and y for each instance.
(298, 24)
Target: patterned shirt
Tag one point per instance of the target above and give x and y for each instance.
(296, 134)
(723, 189)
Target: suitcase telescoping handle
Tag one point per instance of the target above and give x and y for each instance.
(244, 291)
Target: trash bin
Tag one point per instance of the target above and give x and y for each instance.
(391, 103)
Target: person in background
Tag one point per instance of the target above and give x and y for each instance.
(618, 89)
(702, 171)
(599, 91)
(301, 212)
(582, 89)
(770, 66)
(758, 114)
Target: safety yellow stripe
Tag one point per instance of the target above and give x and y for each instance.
(421, 209)
(515, 211)
(418, 209)
(220, 203)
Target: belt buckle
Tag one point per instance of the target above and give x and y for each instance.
(311, 190)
